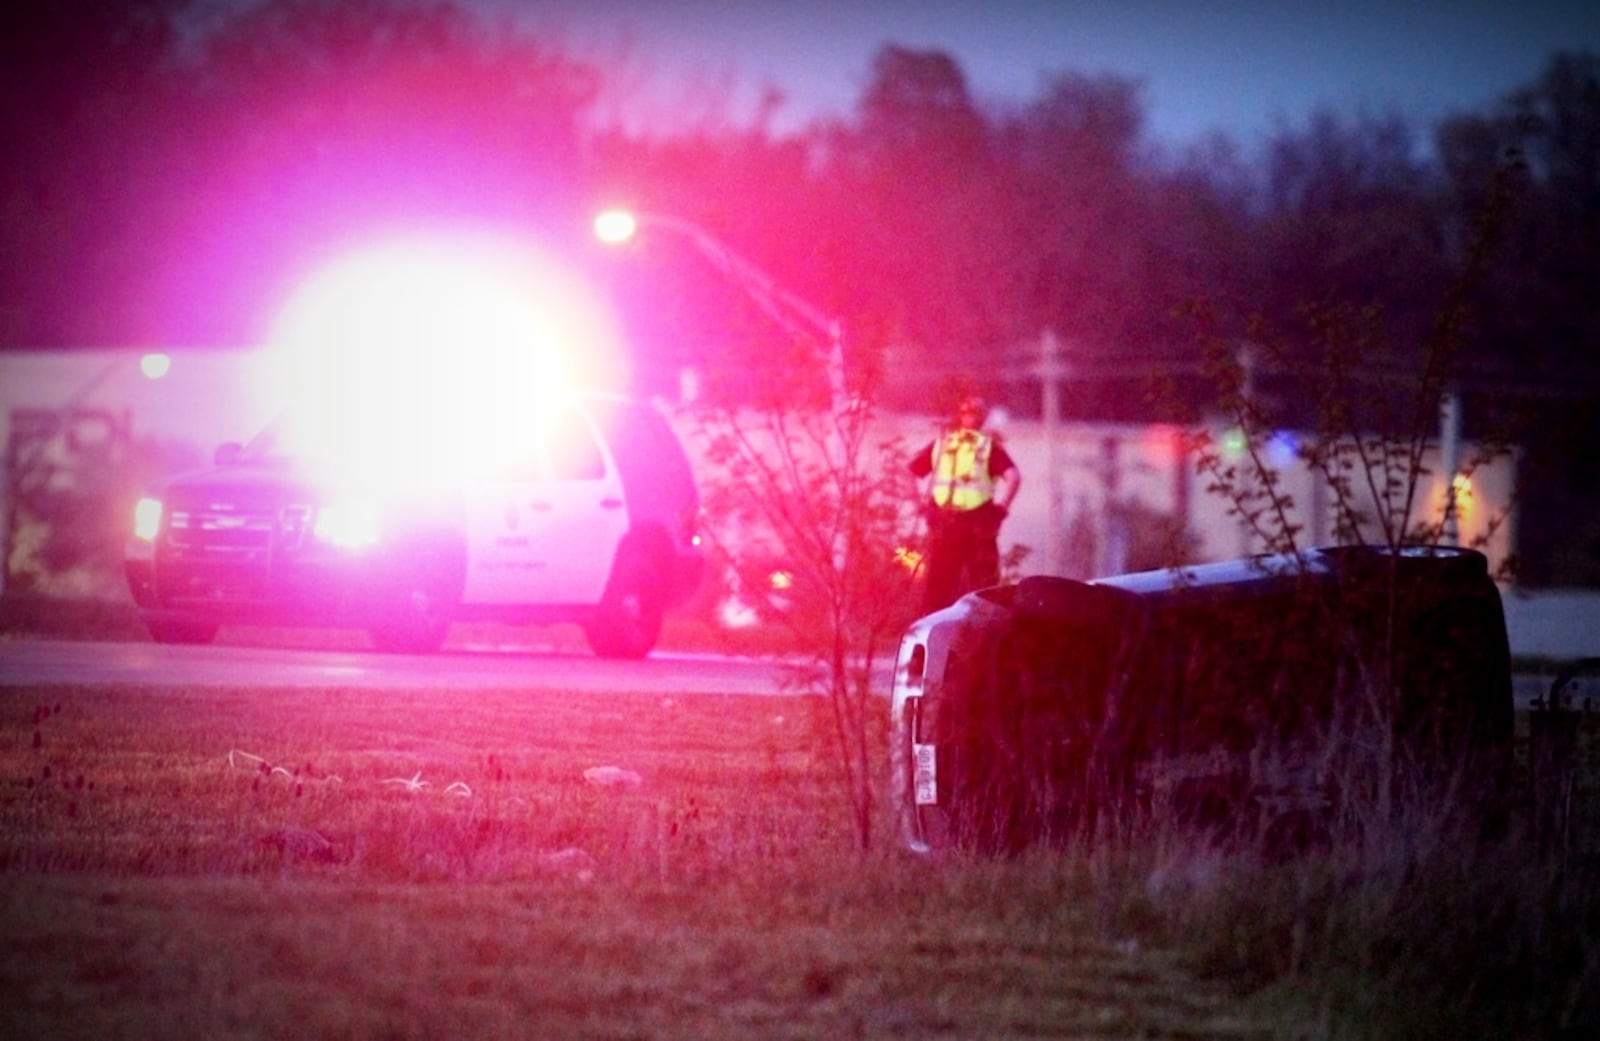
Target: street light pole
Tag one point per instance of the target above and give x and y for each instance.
(1051, 370)
(798, 316)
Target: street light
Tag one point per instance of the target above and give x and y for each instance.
(798, 316)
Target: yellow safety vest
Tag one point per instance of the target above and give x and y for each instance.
(961, 478)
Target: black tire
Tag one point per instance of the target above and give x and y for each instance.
(417, 626)
(185, 630)
(627, 622)
(430, 572)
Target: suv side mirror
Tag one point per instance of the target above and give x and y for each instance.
(227, 453)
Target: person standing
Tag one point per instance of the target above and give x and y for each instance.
(969, 483)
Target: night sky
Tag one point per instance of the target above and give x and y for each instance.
(1238, 66)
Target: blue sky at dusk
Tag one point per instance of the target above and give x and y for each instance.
(1239, 66)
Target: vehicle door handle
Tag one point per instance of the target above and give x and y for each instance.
(610, 503)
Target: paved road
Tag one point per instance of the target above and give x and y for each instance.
(32, 662)
(66, 662)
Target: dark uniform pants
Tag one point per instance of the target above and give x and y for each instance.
(963, 553)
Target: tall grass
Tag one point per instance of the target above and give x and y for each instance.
(1356, 885)
(1426, 920)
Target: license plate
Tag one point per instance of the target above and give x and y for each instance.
(926, 778)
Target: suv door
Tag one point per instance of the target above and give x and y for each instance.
(547, 531)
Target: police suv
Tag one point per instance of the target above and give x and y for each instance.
(593, 523)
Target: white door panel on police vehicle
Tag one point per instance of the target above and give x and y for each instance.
(548, 531)
(585, 514)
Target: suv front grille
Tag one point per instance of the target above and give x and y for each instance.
(220, 531)
(222, 552)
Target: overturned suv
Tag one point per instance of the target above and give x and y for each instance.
(1273, 696)
(593, 524)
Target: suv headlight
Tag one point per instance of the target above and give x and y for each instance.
(147, 518)
(349, 525)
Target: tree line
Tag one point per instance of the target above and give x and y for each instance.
(173, 166)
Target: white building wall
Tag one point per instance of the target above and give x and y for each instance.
(205, 396)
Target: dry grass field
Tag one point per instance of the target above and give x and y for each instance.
(529, 864)
(357, 864)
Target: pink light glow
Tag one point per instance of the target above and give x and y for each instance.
(430, 359)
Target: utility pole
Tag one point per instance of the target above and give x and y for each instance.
(1051, 370)
(1450, 462)
(1114, 543)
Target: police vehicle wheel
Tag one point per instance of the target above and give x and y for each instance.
(419, 626)
(628, 620)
